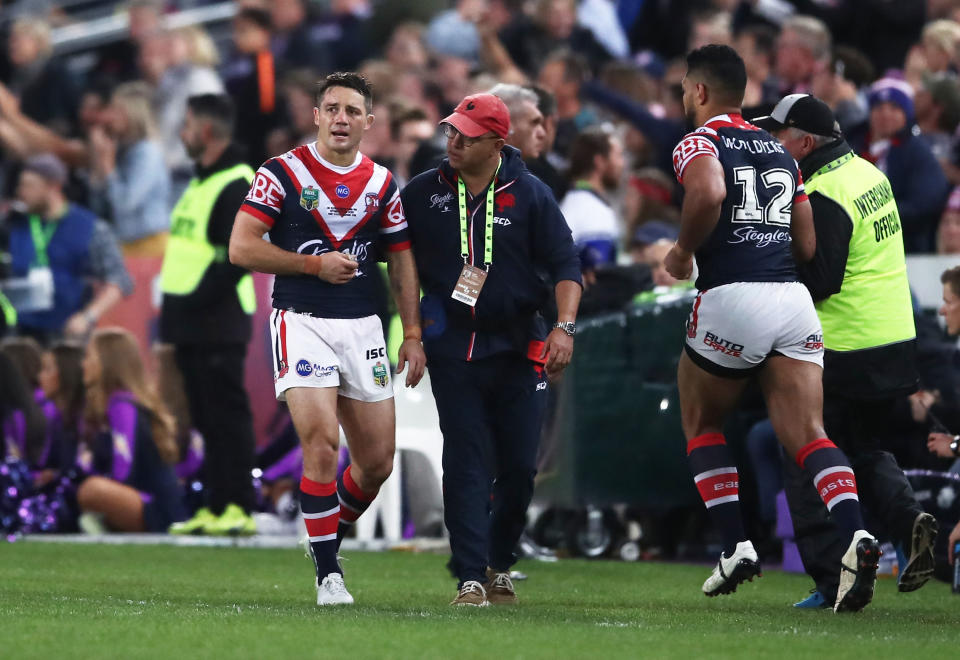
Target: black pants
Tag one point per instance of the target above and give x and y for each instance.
(490, 414)
(862, 429)
(213, 377)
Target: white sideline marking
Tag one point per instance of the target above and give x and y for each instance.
(262, 541)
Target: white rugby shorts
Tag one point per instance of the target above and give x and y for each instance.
(349, 354)
(734, 328)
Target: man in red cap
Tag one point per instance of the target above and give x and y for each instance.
(487, 235)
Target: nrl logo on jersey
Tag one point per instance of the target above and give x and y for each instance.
(309, 198)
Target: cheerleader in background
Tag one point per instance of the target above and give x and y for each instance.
(130, 446)
(54, 454)
(61, 380)
(22, 421)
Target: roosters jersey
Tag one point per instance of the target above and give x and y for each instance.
(751, 241)
(313, 206)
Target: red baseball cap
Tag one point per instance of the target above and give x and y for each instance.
(479, 114)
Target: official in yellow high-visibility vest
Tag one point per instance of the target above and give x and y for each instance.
(858, 280)
(206, 315)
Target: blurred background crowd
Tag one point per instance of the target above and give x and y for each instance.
(93, 96)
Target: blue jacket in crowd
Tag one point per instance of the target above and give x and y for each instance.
(532, 250)
(918, 183)
(69, 257)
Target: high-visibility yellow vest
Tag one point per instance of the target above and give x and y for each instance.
(189, 253)
(873, 306)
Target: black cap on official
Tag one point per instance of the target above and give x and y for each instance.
(802, 111)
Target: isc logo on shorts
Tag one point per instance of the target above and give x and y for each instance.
(722, 345)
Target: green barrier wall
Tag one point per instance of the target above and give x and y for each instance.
(614, 435)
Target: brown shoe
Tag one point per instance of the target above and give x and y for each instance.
(471, 593)
(499, 588)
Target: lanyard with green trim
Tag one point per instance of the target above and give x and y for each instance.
(488, 227)
(42, 235)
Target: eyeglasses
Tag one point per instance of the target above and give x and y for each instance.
(468, 142)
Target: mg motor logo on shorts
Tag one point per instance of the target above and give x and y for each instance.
(342, 191)
(814, 342)
(304, 368)
(722, 345)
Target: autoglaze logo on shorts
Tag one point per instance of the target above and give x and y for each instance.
(342, 191)
(718, 344)
(304, 368)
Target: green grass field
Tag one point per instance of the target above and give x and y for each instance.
(86, 601)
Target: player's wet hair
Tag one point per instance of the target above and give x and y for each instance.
(722, 70)
(217, 108)
(350, 80)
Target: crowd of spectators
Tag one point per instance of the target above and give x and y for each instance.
(593, 88)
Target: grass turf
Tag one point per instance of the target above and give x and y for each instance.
(82, 601)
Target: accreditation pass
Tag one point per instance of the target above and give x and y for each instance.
(469, 284)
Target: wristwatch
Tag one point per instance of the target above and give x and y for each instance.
(568, 327)
(955, 445)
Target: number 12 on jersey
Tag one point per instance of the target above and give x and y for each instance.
(778, 189)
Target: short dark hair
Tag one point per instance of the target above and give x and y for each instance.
(722, 70)
(575, 67)
(405, 115)
(259, 17)
(217, 108)
(347, 79)
(764, 38)
(851, 64)
(586, 146)
(951, 277)
(546, 101)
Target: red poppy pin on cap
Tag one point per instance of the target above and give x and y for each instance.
(479, 114)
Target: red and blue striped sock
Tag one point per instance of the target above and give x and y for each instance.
(353, 502)
(715, 474)
(321, 513)
(835, 481)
